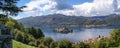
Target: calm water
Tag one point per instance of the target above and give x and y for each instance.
(78, 34)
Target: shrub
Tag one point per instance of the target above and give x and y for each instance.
(115, 36)
(64, 44)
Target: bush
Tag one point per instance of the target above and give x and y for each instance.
(64, 44)
(42, 46)
(46, 41)
(23, 37)
(37, 33)
(81, 45)
(18, 35)
(101, 44)
(115, 36)
(53, 45)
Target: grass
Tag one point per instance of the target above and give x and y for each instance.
(17, 44)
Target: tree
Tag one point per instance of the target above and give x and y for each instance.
(37, 33)
(18, 35)
(46, 41)
(115, 36)
(101, 44)
(23, 37)
(42, 46)
(81, 45)
(64, 44)
(9, 7)
(10, 24)
(53, 44)
(28, 38)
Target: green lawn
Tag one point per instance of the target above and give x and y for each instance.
(20, 45)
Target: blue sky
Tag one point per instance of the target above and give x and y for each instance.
(69, 7)
(23, 2)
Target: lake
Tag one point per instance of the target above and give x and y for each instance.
(78, 34)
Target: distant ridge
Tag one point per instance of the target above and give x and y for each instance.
(59, 19)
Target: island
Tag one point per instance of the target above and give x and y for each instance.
(63, 30)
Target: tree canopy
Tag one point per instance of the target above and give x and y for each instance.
(9, 7)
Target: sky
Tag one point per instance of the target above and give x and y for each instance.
(69, 7)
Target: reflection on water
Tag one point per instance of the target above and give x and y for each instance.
(78, 34)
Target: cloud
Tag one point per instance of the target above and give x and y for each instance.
(39, 5)
(95, 8)
(62, 4)
(47, 5)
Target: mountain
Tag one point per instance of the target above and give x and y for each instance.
(59, 19)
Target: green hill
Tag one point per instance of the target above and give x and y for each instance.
(17, 44)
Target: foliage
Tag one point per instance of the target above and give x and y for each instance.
(64, 44)
(81, 45)
(42, 46)
(22, 34)
(10, 7)
(46, 41)
(23, 37)
(18, 35)
(101, 44)
(10, 24)
(115, 36)
(53, 44)
(37, 33)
